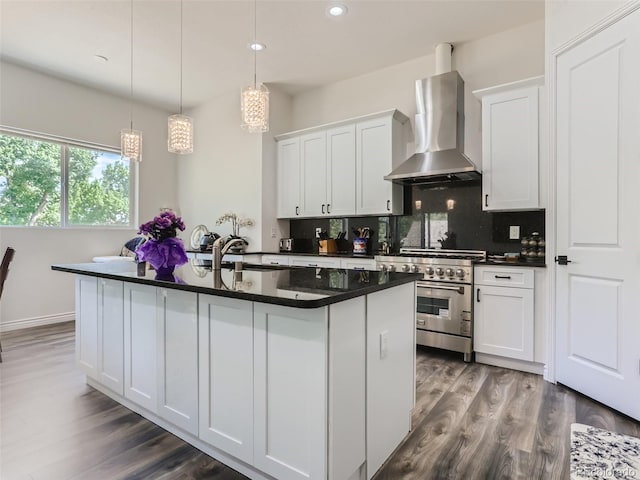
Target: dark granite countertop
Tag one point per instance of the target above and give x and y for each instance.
(300, 287)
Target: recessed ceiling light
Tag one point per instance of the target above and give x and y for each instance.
(100, 58)
(337, 10)
(257, 46)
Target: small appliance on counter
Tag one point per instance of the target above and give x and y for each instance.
(206, 241)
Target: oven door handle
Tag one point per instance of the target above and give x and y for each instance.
(460, 290)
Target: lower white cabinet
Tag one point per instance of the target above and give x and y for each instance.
(161, 352)
(87, 325)
(276, 259)
(315, 261)
(141, 333)
(226, 375)
(290, 392)
(111, 334)
(358, 263)
(347, 263)
(99, 330)
(177, 376)
(504, 312)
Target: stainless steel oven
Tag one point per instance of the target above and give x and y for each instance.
(444, 316)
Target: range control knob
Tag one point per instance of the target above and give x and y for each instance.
(414, 269)
(449, 272)
(391, 268)
(429, 271)
(405, 268)
(383, 268)
(460, 273)
(440, 271)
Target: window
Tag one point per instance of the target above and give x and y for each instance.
(52, 182)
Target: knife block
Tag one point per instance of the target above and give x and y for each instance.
(327, 246)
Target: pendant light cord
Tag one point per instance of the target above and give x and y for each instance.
(255, 42)
(131, 72)
(181, 52)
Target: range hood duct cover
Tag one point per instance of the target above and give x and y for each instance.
(439, 134)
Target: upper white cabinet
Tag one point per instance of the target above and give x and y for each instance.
(338, 169)
(379, 148)
(510, 145)
(289, 178)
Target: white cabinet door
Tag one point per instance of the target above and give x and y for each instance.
(341, 170)
(374, 160)
(141, 345)
(289, 178)
(313, 154)
(178, 358)
(111, 334)
(290, 395)
(503, 322)
(226, 375)
(510, 148)
(87, 325)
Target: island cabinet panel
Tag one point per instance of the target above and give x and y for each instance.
(177, 318)
(290, 397)
(390, 371)
(87, 325)
(347, 390)
(111, 334)
(141, 334)
(226, 375)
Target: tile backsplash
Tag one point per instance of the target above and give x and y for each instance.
(443, 217)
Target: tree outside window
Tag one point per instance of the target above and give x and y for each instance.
(45, 183)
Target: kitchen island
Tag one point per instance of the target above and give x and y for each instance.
(296, 373)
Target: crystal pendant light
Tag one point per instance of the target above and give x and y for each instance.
(254, 99)
(180, 127)
(130, 139)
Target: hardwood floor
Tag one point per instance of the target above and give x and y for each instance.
(471, 421)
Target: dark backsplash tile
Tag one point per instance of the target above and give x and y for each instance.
(448, 217)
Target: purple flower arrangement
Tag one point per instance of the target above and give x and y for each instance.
(163, 250)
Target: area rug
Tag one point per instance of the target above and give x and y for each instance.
(598, 454)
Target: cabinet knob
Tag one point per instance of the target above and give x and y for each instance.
(328, 205)
(486, 200)
(323, 208)
(297, 210)
(388, 205)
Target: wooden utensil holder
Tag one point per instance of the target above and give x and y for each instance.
(327, 246)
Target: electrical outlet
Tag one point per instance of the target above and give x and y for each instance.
(514, 232)
(384, 344)
(273, 232)
(318, 230)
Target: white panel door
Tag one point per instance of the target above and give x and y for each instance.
(178, 358)
(341, 166)
(313, 153)
(289, 178)
(87, 325)
(141, 345)
(111, 334)
(226, 375)
(374, 160)
(598, 167)
(290, 392)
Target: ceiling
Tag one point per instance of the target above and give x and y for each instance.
(305, 47)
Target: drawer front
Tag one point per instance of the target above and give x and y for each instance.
(315, 261)
(276, 260)
(521, 277)
(358, 264)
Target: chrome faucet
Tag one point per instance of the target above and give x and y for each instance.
(222, 246)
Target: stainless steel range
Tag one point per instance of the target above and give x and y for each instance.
(444, 299)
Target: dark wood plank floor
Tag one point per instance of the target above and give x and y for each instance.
(471, 422)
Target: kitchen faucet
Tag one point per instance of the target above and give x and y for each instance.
(222, 246)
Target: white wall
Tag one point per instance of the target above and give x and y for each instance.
(40, 103)
(508, 56)
(232, 170)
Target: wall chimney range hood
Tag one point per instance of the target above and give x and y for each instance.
(439, 130)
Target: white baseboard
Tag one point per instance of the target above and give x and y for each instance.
(37, 321)
(512, 363)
